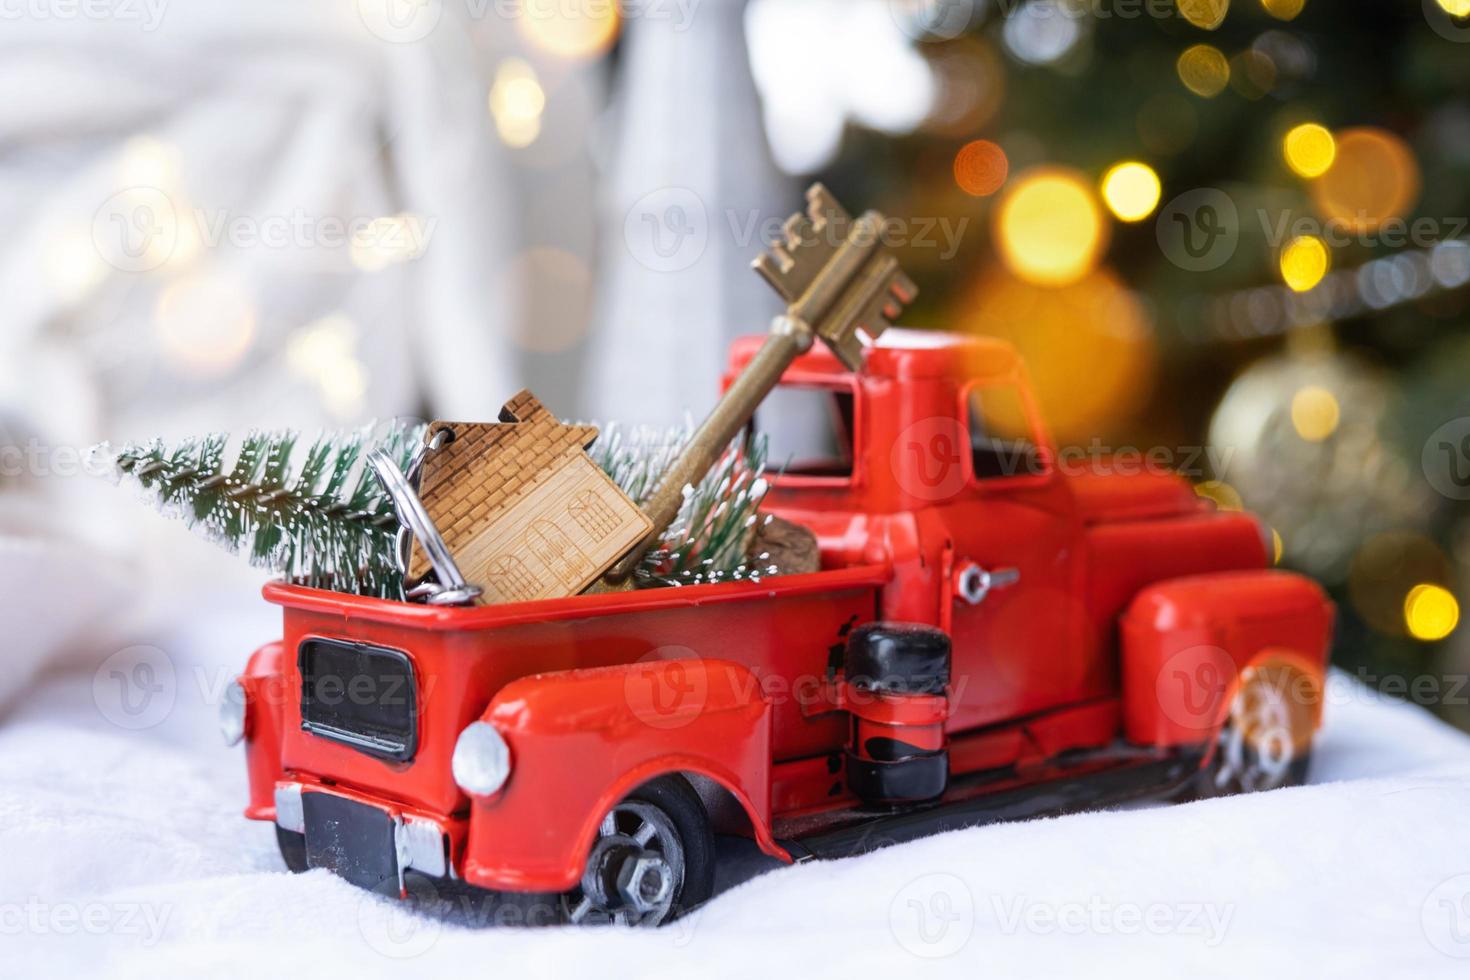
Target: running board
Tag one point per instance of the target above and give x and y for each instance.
(970, 803)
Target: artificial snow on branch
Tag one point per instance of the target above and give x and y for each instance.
(708, 541)
(323, 522)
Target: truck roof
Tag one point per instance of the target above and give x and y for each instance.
(904, 353)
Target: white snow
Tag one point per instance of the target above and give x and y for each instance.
(124, 853)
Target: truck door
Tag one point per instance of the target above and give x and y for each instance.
(1014, 598)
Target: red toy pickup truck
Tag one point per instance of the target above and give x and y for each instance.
(994, 634)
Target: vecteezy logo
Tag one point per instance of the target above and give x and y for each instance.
(1192, 684)
(933, 916)
(136, 230)
(667, 687)
(928, 458)
(667, 230)
(1446, 459)
(1199, 230)
(400, 21)
(400, 928)
(1445, 917)
(135, 688)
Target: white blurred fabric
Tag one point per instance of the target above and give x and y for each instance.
(689, 192)
(259, 113)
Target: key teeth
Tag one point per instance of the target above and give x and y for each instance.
(795, 232)
(823, 207)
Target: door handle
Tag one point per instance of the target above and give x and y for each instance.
(973, 583)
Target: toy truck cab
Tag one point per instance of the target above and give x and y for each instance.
(988, 622)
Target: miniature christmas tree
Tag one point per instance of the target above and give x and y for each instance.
(709, 540)
(322, 520)
(324, 523)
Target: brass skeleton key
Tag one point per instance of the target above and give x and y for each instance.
(839, 284)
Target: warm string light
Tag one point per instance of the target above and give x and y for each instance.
(516, 103)
(980, 168)
(1049, 228)
(1204, 70)
(1304, 261)
(1376, 285)
(1309, 149)
(1131, 190)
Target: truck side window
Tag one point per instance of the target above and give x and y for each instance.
(1001, 442)
(809, 431)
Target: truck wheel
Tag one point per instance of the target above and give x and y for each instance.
(293, 849)
(653, 859)
(1266, 743)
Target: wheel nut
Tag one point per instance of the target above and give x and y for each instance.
(645, 883)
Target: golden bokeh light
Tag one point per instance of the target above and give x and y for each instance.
(1204, 14)
(1455, 8)
(1203, 70)
(1283, 9)
(388, 240)
(1309, 149)
(1223, 494)
(1131, 190)
(1385, 571)
(1315, 413)
(1431, 612)
(324, 353)
(1304, 261)
(1373, 177)
(203, 324)
(573, 31)
(980, 168)
(1049, 228)
(516, 103)
(72, 265)
(1089, 346)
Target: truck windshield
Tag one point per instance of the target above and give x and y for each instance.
(809, 430)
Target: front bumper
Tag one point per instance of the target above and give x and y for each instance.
(369, 842)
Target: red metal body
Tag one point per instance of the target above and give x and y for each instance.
(1116, 578)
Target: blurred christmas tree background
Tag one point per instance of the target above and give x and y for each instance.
(1311, 334)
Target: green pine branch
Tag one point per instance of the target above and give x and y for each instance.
(326, 524)
(322, 520)
(707, 541)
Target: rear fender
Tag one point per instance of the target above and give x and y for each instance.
(1188, 643)
(581, 740)
(265, 688)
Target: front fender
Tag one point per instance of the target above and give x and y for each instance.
(264, 692)
(581, 740)
(1187, 642)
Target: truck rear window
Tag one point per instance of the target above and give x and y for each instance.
(359, 695)
(809, 431)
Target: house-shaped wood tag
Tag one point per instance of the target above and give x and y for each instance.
(523, 509)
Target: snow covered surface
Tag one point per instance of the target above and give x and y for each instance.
(124, 850)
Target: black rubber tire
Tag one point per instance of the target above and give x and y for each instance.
(293, 849)
(676, 798)
(898, 658)
(1204, 784)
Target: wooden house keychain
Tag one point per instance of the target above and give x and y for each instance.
(522, 508)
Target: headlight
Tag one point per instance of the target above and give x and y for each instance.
(481, 762)
(232, 714)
